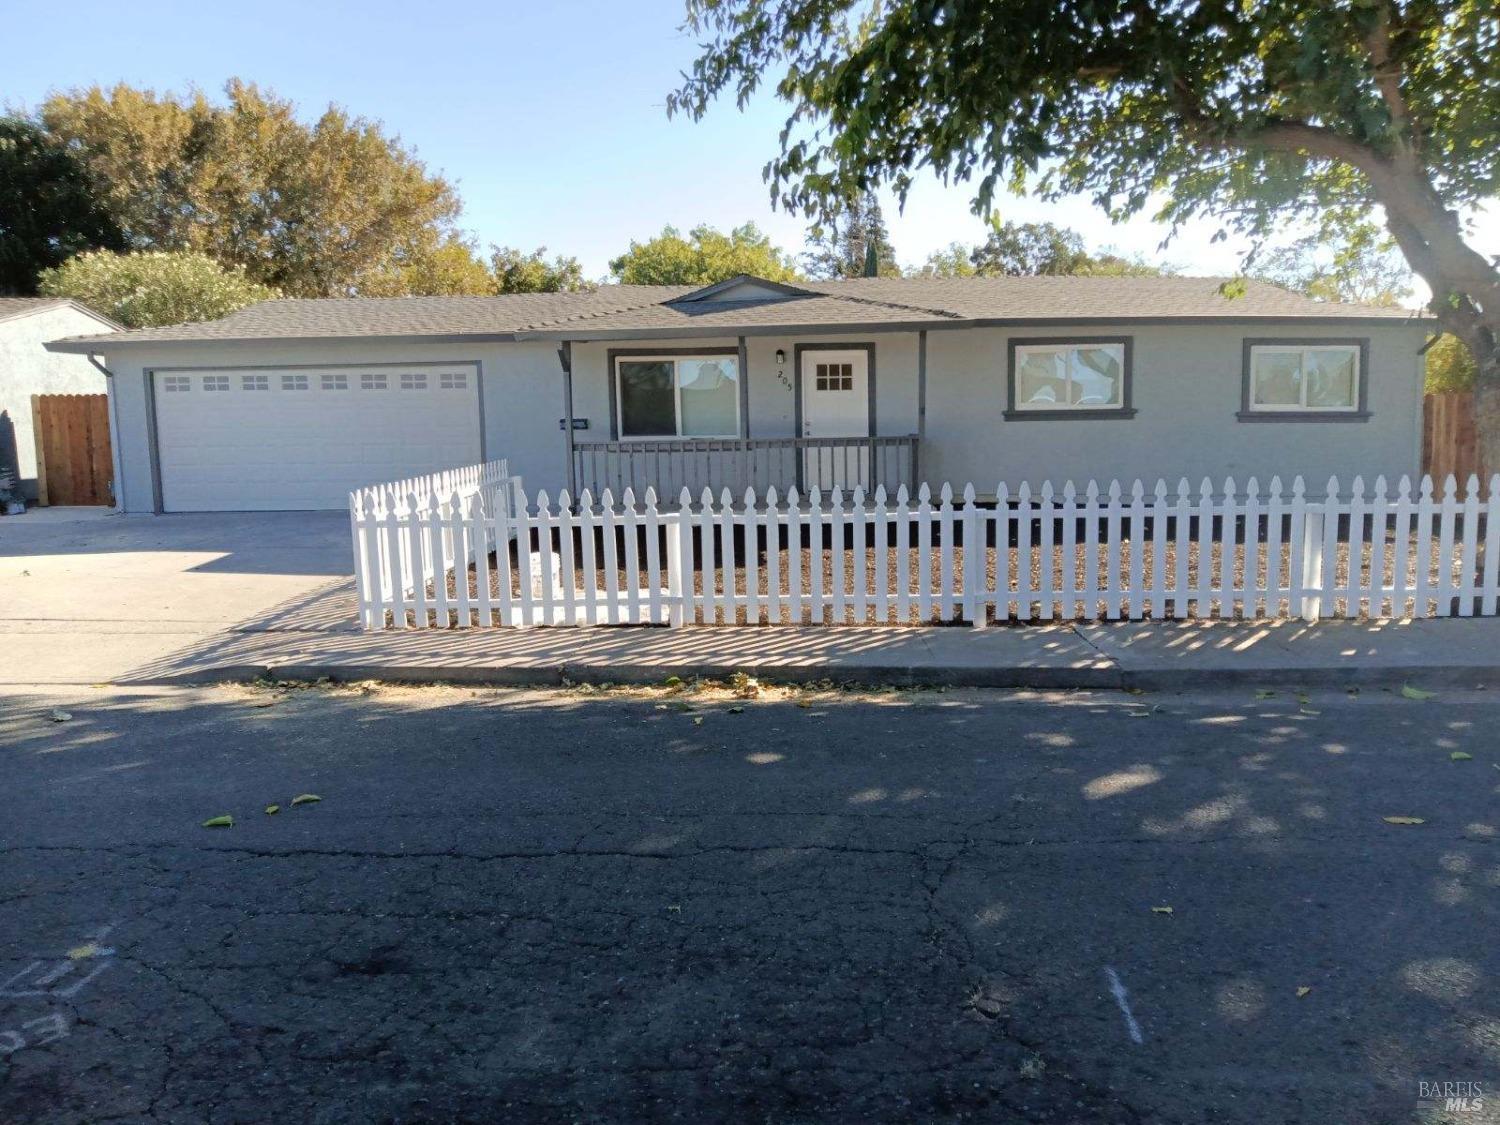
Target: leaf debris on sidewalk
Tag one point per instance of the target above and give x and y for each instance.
(1403, 820)
(305, 799)
(1409, 692)
(225, 821)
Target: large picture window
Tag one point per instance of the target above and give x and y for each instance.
(678, 396)
(1311, 379)
(1069, 378)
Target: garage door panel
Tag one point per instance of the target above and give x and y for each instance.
(293, 440)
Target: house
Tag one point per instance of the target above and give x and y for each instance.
(880, 381)
(27, 368)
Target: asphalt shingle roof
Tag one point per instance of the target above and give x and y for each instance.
(660, 311)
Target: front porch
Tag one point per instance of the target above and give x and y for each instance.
(783, 463)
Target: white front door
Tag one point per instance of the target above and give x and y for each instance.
(836, 404)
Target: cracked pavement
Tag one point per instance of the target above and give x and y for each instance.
(563, 906)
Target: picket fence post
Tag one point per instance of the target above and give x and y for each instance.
(1310, 573)
(974, 563)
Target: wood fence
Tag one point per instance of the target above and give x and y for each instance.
(1450, 440)
(849, 559)
(73, 460)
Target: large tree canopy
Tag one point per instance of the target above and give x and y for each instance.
(151, 288)
(1258, 112)
(332, 208)
(48, 211)
(702, 258)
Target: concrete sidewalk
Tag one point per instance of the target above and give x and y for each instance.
(1451, 652)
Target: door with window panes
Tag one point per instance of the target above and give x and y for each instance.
(836, 404)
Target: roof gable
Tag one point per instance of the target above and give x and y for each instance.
(743, 287)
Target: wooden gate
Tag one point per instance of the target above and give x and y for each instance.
(73, 462)
(1450, 442)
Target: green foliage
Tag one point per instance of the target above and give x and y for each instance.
(332, 208)
(852, 241)
(1264, 114)
(1450, 367)
(48, 211)
(1358, 263)
(147, 289)
(702, 258)
(517, 272)
(1030, 250)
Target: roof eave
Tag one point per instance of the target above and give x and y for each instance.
(92, 345)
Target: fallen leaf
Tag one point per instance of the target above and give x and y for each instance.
(1418, 694)
(1403, 820)
(804, 703)
(1308, 711)
(225, 821)
(272, 810)
(698, 721)
(1264, 693)
(305, 799)
(672, 681)
(736, 710)
(1162, 910)
(1460, 756)
(1303, 991)
(61, 716)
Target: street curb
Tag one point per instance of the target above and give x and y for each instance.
(1110, 677)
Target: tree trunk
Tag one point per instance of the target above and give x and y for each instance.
(1487, 408)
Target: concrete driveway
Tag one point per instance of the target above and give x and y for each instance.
(88, 596)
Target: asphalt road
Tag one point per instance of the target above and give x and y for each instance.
(563, 906)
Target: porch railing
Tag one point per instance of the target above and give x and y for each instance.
(671, 464)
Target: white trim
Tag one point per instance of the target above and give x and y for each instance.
(1072, 347)
(1303, 351)
(674, 360)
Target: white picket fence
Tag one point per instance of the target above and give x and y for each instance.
(845, 558)
(393, 559)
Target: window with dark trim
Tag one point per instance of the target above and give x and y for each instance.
(1304, 380)
(694, 396)
(1069, 377)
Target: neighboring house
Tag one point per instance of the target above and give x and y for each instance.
(291, 404)
(27, 368)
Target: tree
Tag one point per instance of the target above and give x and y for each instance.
(1358, 264)
(48, 211)
(1450, 367)
(516, 272)
(328, 209)
(1262, 113)
(1030, 250)
(702, 258)
(852, 241)
(146, 289)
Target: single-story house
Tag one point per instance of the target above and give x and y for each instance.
(291, 404)
(27, 368)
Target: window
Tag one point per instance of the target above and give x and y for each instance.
(413, 382)
(216, 382)
(678, 396)
(1312, 378)
(1076, 378)
(335, 382)
(178, 383)
(372, 383)
(453, 381)
(294, 382)
(833, 376)
(255, 383)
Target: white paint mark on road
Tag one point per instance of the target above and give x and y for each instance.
(1117, 990)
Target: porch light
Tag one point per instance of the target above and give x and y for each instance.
(780, 357)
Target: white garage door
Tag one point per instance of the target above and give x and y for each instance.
(279, 440)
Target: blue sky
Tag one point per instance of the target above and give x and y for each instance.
(550, 118)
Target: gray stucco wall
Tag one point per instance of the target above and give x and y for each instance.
(1186, 389)
(1187, 395)
(27, 368)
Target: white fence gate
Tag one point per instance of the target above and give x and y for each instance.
(845, 558)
